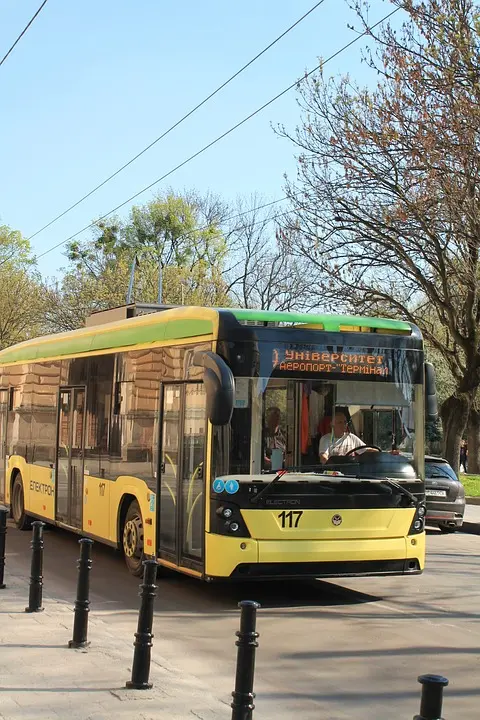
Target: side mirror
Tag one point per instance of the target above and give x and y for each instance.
(431, 404)
(219, 386)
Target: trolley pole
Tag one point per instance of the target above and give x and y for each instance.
(3, 538)
(243, 695)
(82, 602)
(36, 576)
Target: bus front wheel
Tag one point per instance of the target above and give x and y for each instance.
(20, 517)
(133, 539)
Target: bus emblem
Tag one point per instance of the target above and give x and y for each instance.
(337, 520)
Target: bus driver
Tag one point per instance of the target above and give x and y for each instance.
(340, 441)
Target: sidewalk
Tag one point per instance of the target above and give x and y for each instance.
(41, 678)
(471, 522)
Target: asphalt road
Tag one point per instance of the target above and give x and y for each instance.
(331, 650)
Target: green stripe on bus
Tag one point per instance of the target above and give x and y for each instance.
(106, 339)
(331, 323)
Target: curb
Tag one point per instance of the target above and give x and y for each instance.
(472, 500)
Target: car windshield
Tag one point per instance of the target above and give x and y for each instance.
(436, 470)
(287, 423)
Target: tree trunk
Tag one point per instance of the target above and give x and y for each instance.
(454, 413)
(473, 444)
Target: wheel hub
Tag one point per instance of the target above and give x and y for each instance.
(131, 538)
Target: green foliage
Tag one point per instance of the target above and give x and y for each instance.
(179, 234)
(471, 483)
(22, 299)
(15, 251)
(387, 196)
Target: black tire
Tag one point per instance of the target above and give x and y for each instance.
(446, 529)
(132, 539)
(20, 517)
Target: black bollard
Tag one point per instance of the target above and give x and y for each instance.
(36, 577)
(82, 603)
(432, 697)
(144, 636)
(3, 537)
(243, 695)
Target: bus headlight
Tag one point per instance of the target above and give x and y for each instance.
(418, 522)
(226, 519)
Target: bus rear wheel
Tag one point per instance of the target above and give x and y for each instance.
(20, 517)
(133, 539)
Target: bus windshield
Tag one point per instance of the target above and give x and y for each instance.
(311, 425)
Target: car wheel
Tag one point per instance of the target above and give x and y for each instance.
(447, 529)
(20, 517)
(132, 539)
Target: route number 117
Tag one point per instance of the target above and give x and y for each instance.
(290, 519)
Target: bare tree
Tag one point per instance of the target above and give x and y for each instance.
(390, 187)
(262, 272)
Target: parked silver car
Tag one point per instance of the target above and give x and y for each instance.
(444, 495)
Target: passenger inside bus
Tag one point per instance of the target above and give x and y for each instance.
(275, 440)
(307, 423)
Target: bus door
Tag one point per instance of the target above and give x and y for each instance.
(70, 452)
(182, 462)
(3, 440)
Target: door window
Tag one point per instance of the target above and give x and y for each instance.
(193, 470)
(169, 467)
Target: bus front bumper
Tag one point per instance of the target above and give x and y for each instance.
(245, 558)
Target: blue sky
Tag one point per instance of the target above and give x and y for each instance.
(92, 83)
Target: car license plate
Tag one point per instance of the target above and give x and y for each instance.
(436, 493)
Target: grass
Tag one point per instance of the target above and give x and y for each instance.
(471, 483)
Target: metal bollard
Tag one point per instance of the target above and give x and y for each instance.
(82, 602)
(3, 537)
(144, 636)
(432, 697)
(243, 695)
(36, 577)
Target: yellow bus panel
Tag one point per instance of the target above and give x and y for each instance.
(38, 486)
(322, 524)
(96, 507)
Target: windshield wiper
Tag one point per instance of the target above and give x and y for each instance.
(277, 477)
(393, 483)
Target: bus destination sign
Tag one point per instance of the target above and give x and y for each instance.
(325, 361)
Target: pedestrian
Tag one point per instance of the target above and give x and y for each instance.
(463, 455)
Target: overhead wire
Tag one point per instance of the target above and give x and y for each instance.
(297, 83)
(180, 121)
(23, 32)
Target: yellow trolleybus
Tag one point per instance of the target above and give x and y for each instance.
(194, 435)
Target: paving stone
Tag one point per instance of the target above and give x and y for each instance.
(40, 677)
